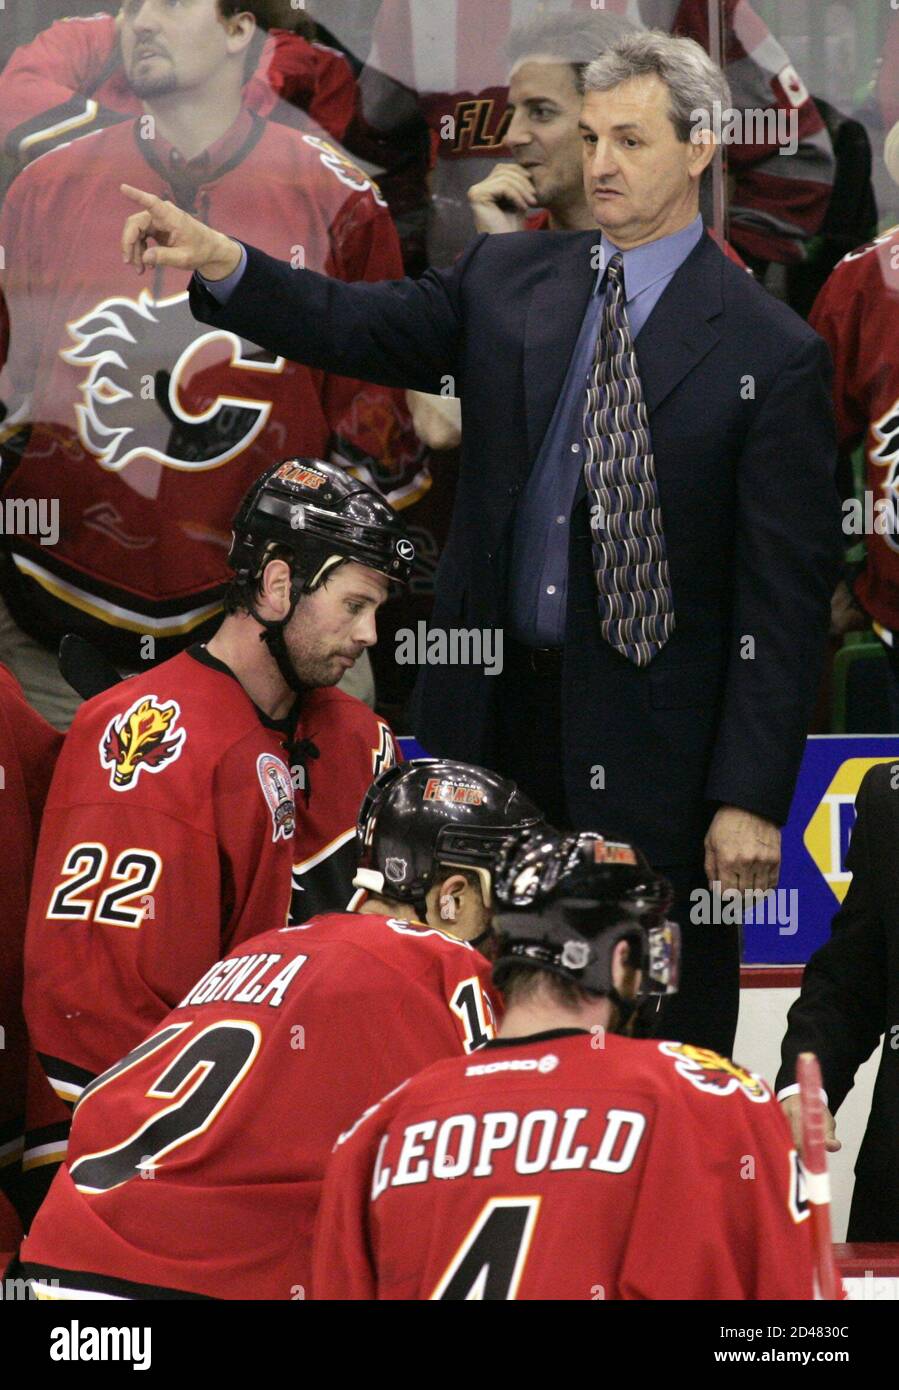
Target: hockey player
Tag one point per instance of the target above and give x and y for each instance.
(172, 826)
(28, 749)
(137, 428)
(566, 1161)
(196, 1163)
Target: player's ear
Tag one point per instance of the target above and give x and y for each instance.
(626, 977)
(276, 587)
(452, 897)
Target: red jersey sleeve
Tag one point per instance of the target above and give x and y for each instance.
(45, 88)
(342, 1264)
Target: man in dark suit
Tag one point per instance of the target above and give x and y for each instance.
(646, 504)
(849, 998)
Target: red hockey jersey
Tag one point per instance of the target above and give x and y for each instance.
(139, 426)
(451, 56)
(169, 836)
(196, 1163)
(28, 749)
(857, 313)
(69, 81)
(556, 1168)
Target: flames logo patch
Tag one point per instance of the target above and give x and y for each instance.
(717, 1076)
(142, 739)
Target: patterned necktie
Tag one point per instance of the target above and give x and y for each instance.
(636, 608)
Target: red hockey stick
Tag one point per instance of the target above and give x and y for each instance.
(814, 1160)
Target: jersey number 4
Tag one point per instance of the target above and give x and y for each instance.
(134, 874)
(490, 1261)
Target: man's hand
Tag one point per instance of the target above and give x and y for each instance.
(501, 201)
(742, 851)
(793, 1111)
(181, 241)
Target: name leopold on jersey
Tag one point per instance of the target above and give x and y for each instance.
(537, 1140)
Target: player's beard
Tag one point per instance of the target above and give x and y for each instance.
(315, 669)
(158, 84)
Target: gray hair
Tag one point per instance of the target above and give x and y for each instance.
(576, 39)
(696, 86)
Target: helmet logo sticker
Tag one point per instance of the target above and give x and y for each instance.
(395, 870)
(292, 472)
(405, 549)
(607, 852)
(575, 955)
(143, 738)
(456, 793)
(277, 788)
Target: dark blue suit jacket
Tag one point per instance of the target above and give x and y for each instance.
(737, 388)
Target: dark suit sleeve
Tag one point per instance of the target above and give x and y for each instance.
(786, 566)
(403, 333)
(841, 1010)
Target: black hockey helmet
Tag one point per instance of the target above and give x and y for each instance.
(566, 901)
(325, 517)
(430, 812)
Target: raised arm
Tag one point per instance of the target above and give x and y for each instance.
(403, 333)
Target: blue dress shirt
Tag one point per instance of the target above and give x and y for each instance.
(538, 577)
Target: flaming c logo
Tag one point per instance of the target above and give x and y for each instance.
(141, 739)
(715, 1075)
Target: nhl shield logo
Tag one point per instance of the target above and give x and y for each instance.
(395, 870)
(143, 739)
(277, 788)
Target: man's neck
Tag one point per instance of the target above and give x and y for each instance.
(256, 669)
(538, 1016)
(403, 912)
(192, 126)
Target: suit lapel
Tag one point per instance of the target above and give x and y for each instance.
(554, 317)
(678, 334)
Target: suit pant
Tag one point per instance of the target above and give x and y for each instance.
(528, 749)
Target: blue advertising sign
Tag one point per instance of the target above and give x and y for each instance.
(813, 877)
(795, 920)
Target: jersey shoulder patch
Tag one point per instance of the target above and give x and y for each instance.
(712, 1074)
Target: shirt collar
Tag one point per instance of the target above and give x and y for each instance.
(644, 265)
(204, 166)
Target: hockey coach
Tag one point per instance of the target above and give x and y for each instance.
(646, 503)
